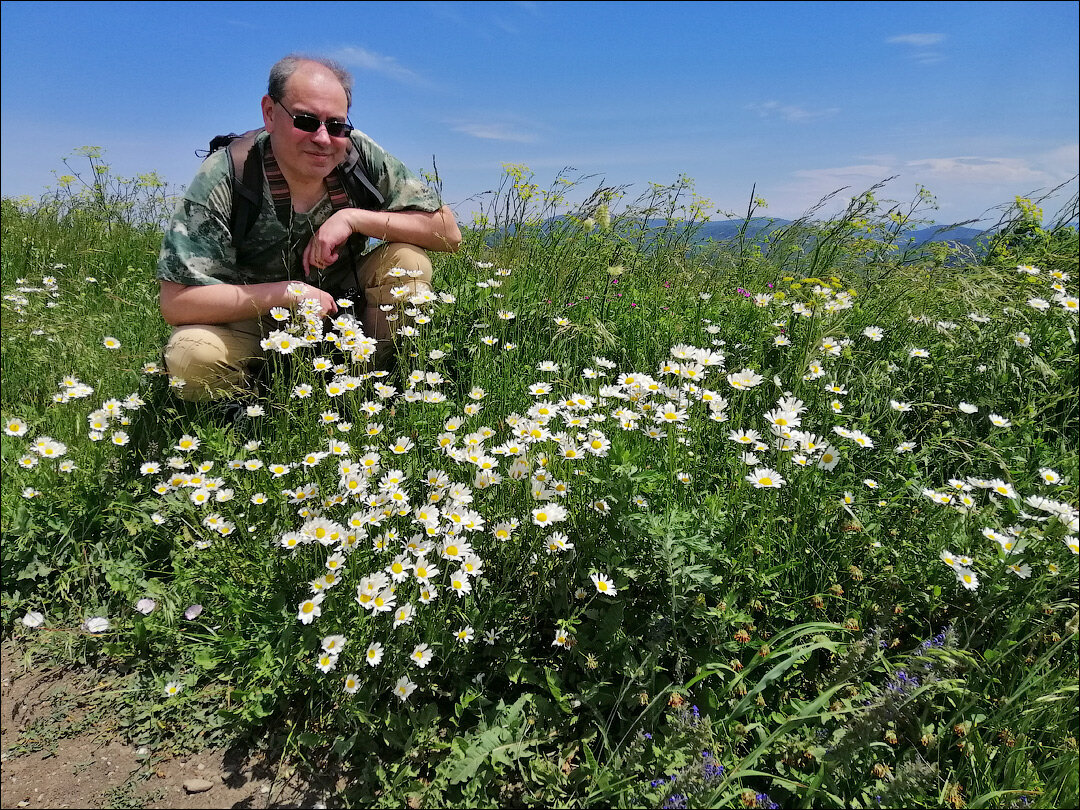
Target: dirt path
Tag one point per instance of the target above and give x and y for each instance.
(59, 748)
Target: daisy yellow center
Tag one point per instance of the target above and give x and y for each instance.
(765, 480)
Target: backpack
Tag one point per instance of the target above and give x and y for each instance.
(352, 189)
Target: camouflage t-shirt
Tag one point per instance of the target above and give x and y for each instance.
(198, 249)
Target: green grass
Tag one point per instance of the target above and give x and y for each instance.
(803, 643)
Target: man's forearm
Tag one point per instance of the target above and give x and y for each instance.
(227, 303)
(436, 231)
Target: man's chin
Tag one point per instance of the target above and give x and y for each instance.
(321, 161)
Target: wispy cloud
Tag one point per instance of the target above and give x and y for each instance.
(923, 49)
(493, 131)
(363, 59)
(981, 170)
(917, 40)
(808, 186)
(790, 112)
(842, 175)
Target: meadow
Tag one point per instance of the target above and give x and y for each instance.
(633, 521)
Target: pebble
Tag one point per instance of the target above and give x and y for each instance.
(197, 785)
(264, 789)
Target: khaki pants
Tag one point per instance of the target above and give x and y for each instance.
(217, 360)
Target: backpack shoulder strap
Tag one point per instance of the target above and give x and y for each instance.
(357, 184)
(247, 177)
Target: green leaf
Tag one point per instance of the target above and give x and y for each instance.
(473, 751)
(556, 692)
(205, 659)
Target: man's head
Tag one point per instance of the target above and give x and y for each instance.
(300, 85)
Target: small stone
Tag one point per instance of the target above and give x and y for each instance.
(142, 753)
(264, 789)
(197, 785)
(200, 767)
(23, 803)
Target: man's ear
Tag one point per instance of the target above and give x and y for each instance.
(268, 113)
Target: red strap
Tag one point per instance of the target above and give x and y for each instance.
(279, 189)
(339, 199)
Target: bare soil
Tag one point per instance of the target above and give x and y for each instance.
(58, 750)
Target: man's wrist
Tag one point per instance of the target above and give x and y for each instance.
(355, 218)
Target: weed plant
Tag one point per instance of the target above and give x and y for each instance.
(634, 521)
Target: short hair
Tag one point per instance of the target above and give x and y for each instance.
(284, 68)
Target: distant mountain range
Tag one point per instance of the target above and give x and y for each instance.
(723, 230)
(758, 227)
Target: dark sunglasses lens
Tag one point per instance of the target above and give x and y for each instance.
(306, 123)
(337, 129)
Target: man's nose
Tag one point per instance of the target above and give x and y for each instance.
(320, 135)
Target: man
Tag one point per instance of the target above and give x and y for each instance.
(218, 287)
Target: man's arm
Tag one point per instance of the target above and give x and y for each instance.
(437, 231)
(226, 303)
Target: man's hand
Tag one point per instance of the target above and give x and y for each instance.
(298, 290)
(322, 250)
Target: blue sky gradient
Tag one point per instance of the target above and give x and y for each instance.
(976, 101)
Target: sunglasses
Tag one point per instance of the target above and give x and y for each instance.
(306, 122)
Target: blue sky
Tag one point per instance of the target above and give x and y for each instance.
(976, 101)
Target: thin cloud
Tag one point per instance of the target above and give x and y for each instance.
(790, 112)
(807, 187)
(981, 170)
(923, 49)
(494, 132)
(917, 40)
(388, 66)
(842, 175)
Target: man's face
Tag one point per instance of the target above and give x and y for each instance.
(307, 156)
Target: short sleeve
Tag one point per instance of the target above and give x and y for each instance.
(197, 247)
(401, 189)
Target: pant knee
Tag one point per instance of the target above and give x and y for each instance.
(210, 364)
(397, 272)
